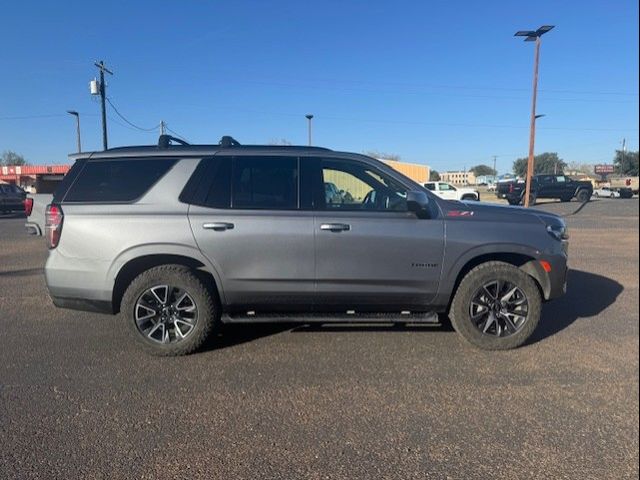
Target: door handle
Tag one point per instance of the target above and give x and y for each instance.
(218, 226)
(335, 227)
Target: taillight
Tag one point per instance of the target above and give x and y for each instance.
(28, 206)
(511, 188)
(53, 224)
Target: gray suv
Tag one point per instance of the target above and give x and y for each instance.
(180, 238)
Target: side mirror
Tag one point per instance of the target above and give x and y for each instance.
(418, 203)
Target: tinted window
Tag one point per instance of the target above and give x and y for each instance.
(219, 193)
(117, 180)
(265, 182)
(359, 187)
(430, 186)
(68, 179)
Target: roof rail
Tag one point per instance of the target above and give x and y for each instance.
(165, 140)
(227, 141)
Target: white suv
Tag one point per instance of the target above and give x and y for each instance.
(449, 192)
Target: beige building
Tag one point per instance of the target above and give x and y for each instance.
(458, 178)
(415, 171)
(357, 189)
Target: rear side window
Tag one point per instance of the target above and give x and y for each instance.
(219, 193)
(105, 181)
(265, 183)
(68, 179)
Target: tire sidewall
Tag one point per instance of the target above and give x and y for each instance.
(583, 196)
(176, 276)
(479, 276)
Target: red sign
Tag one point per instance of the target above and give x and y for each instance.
(606, 168)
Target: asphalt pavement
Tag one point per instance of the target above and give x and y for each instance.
(79, 400)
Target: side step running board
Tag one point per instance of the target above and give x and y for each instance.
(251, 317)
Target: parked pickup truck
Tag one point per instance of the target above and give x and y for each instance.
(560, 187)
(35, 206)
(447, 191)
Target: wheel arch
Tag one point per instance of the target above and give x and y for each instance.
(134, 265)
(523, 260)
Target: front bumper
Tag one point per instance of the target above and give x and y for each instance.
(553, 283)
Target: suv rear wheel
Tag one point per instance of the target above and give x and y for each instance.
(169, 311)
(496, 307)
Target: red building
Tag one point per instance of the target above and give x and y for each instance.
(34, 178)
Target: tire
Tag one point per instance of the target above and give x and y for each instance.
(514, 202)
(583, 196)
(597, 195)
(194, 318)
(532, 199)
(470, 198)
(565, 199)
(472, 284)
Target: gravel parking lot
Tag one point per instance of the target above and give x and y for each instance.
(78, 400)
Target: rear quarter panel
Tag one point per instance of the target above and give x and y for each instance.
(98, 239)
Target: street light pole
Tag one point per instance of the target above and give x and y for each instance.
(309, 117)
(533, 36)
(532, 125)
(77, 115)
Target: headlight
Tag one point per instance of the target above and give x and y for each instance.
(559, 232)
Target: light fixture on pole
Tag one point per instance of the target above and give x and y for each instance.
(77, 115)
(533, 36)
(309, 117)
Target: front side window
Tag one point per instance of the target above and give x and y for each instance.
(265, 183)
(561, 179)
(359, 187)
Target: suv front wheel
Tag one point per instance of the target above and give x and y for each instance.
(169, 310)
(497, 306)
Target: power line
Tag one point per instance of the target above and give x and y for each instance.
(29, 117)
(175, 133)
(416, 91)
(124, 125)
(131, 123)
(276, 80)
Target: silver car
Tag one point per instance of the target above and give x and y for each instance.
(179, 238)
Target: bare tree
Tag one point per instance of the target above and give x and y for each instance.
(585, 168)
(281, 141)
(382, 155)
(12, 158)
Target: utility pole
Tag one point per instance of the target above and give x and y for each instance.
(309, 117)
(103, 69)
(77, 115)
(162, 127)
(624, 147)
(495, 172)
(530, 37)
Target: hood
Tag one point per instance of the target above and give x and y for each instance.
(476, 211)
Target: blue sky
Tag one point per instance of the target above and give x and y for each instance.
(438, 82)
